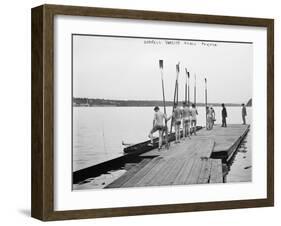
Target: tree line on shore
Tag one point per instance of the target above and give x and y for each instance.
(138, 103)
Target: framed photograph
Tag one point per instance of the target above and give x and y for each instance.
(142, 112)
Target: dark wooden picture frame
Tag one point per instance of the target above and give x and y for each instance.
(42, 203)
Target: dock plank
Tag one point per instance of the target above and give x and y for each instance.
(141, 173)
(153, 173)
(216, 171)
(184, 172)
(195, 172)
(124, 178)
(173, 173)
(165, 172)
(188, 162)
(205, 173)
(206, 148)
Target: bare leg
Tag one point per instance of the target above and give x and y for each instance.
(166, 137)
(188, 129)
(160, 139)
(192, 126)
(177, 133)
(184, 129)
(195, 122)
(151, 136)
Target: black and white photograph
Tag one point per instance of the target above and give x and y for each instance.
(150, 111)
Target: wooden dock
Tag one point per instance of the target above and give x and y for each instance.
(193, 161)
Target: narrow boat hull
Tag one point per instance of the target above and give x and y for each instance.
(146, 145)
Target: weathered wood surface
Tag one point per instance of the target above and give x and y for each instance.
(188, 162)
(216, 171)
(122, 180)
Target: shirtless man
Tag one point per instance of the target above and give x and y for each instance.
(194, 114)
(158, 125)
(213, 116)
(177, 115)
(186, 120)
(209, 124)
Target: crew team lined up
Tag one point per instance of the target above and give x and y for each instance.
(185, 117)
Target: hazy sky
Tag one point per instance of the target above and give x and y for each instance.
(128, 68)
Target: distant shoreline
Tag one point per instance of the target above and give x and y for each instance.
(87, 102)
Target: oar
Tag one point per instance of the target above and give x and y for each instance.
(175, 96)
(164, 101)
(188, 90)
(206, 99)
(178, 72)
(188, 83)
(185, 96)
(194, 89)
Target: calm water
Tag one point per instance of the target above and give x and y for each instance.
(240, 166)
(98, 132)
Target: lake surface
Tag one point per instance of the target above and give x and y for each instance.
(98, 132)
(240, 166)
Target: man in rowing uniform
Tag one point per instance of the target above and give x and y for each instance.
(213, 116)
(158, 125)
(194, 113)
(186, 120)
(177, 115)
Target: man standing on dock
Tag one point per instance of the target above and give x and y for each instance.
(177, 115)
(158, 125)
(244, 114)
(194, 113)
(209, 124)
(223, 115)
(186, 120)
